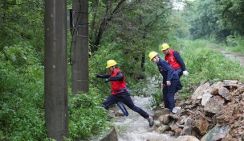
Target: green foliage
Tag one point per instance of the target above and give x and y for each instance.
(22, 98)
(136, 27)
(22, 20)
(21, 89)
(156, 98)
(20, 55)
(218, 18)
(235, 43)
(87, 117)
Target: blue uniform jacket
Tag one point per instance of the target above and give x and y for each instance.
(166, 71)
(180, 60)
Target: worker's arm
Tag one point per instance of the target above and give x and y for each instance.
(118, 77)
(166, 67)
(180, 60)
(103, 76)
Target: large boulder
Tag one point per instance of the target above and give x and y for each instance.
(224, 92)
(205, 98)
(200, 91)
(217, 133)
(110, 136)
(164, 119)
(202, 125)
(162, 128)
(187, 138)
(214, 105)
(159, 112)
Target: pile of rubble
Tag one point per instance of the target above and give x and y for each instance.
(214, 112)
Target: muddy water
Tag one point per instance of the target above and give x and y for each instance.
(136, 128)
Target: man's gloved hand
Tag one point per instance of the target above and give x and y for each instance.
(185, 73)
(99, 76)
(106, 80)
(168, 83)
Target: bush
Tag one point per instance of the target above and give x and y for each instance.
(87, 117)
(21, 101)
(235, 43)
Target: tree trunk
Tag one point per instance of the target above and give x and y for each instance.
(103, 25)
(55, 69)
(109, 13)
(93, 22)
(80, 47)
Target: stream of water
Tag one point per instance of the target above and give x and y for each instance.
(136, 128)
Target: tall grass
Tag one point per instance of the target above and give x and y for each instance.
(235, 44)
(231, 44)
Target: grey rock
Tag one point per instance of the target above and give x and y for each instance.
(187, 138)
(162, 128)
(200, 91)
(214, 105)
(224, 92)
(186, 130)
(157, 123)
(216, 133)
(111, 136)
(164, 119)
(205, 98)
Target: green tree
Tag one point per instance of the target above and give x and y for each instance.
(218, 18)
(21, 20)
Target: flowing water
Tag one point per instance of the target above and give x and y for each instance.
(136, 128)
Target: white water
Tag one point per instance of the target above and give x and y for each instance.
(136, 128)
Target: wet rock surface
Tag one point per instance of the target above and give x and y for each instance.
(215, 112)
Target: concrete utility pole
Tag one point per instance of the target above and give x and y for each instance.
(55, 69)
(80, 46)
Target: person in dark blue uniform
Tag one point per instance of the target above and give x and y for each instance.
(170, 80)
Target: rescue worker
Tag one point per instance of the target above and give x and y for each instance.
(174, 59)
(170, 80)
(119, 91)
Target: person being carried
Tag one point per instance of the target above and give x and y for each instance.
(119, 91)
(170, 80)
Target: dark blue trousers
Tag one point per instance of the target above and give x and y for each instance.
(169, 94)
(126, 99)
(179, 72)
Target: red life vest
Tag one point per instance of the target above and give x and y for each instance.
(170, 58)
(117, 86)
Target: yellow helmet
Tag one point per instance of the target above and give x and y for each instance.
(152, 54)
(111, 63)
(164, 46)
